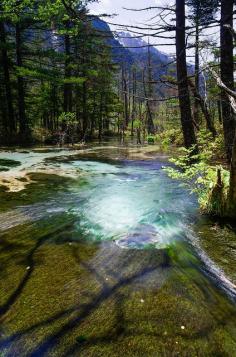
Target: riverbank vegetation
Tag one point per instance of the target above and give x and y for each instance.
(66, 80)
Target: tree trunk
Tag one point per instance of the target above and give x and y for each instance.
(227, 76)
(24, 128)
(125, 96)
(84, 108)
(150, 124)
(197, 66)
(134, 101)
(100, 119)
(11, 125)
(219, 111)
(92, 121)
(232, 186)
(204, 108)
(67, 86)
(184, 99)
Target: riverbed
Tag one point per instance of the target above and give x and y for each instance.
(103, 255)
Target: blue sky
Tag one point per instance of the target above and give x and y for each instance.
(141, 18)
(130, 17)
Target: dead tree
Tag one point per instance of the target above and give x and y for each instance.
(204, 107)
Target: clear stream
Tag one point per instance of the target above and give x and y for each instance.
(111, 259)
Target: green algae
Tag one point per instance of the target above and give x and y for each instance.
(63, 295)
(118, 317)
(6, 164)
(218, 240)
(42, 187)
(9, 163)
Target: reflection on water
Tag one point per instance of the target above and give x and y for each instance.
(109, 266)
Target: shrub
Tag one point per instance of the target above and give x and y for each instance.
(210, 182)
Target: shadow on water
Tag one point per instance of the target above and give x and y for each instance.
(118, 271)
(106, 291)
(29, 264)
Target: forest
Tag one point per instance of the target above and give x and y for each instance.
(65, 79)
(117, 178)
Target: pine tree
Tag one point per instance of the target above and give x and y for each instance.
(182, 77)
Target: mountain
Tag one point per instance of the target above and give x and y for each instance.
(139, 47)
(119, 52)
(162, 63)
(130, 51)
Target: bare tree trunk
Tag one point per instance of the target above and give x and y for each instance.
(197, 65)
(125, 96)
(24, 128)
(11, 125)
(231, 199)
(184, 99)
(227, 76)
(67, 86)
(204, 108)
(232, 185)
(134, 101)
(92, 122)
(150, 124)
(219, 110)
(84, 106)
(100, 122)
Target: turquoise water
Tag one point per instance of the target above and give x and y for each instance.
(108, 262)
(132, 204)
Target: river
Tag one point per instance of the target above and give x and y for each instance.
(103, 255)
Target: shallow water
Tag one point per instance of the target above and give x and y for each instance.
(110, 262)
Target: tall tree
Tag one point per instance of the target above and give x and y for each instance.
(67, 86)
(182, 77)
(201, 15)
(23, 125)
(10, 122)
(134, 93)
(125, 96)
(150, 124)
(227, 72)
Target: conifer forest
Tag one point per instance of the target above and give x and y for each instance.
(117, 178)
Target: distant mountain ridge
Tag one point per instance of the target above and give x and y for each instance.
(119, 52)
(129, 48)
(132, 51)
(139, 46)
